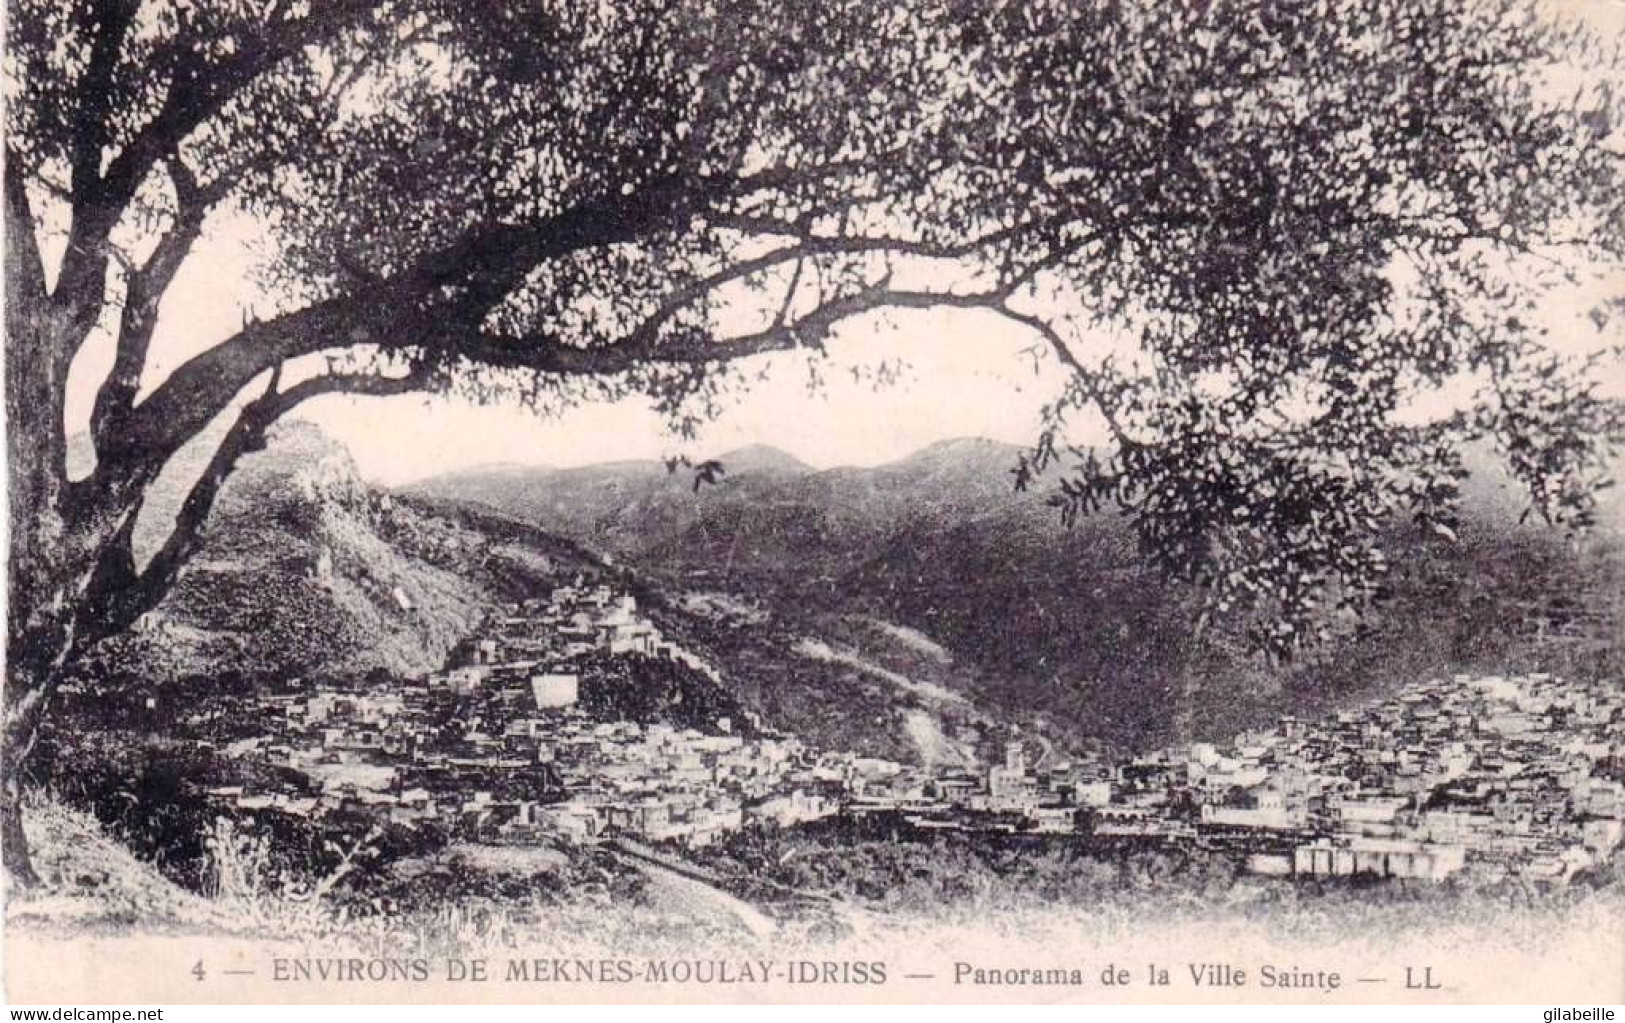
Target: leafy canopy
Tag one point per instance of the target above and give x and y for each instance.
(1262, 235)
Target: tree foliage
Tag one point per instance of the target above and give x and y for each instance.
(1294, 220)
(1320, 223)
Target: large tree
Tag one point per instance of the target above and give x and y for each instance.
(1295, 220)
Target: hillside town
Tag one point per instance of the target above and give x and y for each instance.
(542, 729)
(510, 743)
(1497, 777)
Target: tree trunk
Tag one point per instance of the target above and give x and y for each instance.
(26, 697)
(35, 484)
(29, 685)
(60, 532)
(55, 555)
(43, 643)
(76, 586)
(19, 865)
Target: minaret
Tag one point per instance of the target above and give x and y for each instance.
(1015, 757)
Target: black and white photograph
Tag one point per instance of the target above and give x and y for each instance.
(843, 501)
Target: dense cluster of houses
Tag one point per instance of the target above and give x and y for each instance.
(497, 746)
(1497, 777)
(1517, 777)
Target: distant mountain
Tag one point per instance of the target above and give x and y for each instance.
(762, 458)
(615, 507)
(918, 610)
(1063, 631)
(306, 570)
(766, 513)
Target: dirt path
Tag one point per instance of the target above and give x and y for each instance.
(686, 896)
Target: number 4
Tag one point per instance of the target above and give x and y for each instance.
(197, 971)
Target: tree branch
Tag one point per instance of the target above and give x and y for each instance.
(119, 592)
(1087, 379)
(456, 284)
(92, 212)
(549, 354)
(25, 268)
(112, 21)
(205, 90)
(197, 92)
(144, 290)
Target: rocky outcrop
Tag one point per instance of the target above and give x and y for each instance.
(306, 568)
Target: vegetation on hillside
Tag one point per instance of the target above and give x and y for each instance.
(1064, 630)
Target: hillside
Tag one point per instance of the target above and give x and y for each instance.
(933, 596)
(916, 610)
(768, 516)
(618, 507)
(304, 567)
(91, 881)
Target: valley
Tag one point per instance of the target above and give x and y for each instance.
(458, 668)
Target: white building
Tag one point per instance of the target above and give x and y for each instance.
(553, 691)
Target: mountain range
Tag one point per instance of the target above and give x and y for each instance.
(921, 609)
(935, 569)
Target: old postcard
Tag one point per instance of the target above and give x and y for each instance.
(849, 501)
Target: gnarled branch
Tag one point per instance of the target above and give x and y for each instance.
(138, 319)
(120, 592)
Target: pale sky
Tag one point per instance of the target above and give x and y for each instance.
(965, 376)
